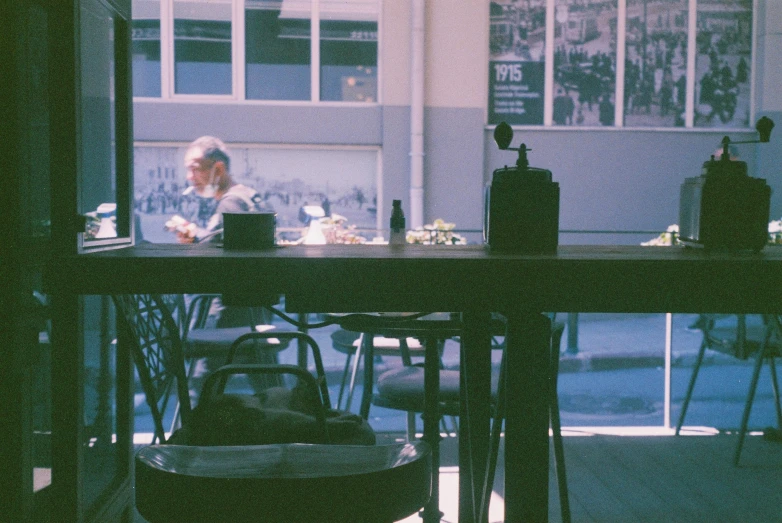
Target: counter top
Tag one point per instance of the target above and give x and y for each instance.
(346, 278)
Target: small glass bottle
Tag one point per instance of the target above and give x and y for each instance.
(398, 232)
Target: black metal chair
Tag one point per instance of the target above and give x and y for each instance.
(735, 336)
(403, 388)
(269, 482)
(202, 341)
(353, 344)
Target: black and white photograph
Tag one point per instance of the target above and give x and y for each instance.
(723, 63)
(655, 83)
(584, 63)
(516, 63)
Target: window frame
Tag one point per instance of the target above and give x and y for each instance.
(238, 65)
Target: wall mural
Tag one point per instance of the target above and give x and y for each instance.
(655, 65)
(343, 182)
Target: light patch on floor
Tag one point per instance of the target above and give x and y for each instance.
(449, 500)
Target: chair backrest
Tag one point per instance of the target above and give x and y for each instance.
(156, 346)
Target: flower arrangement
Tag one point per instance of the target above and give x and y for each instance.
(337, 232)
(667, 238)
(671, 235)
(437, 233)
(775, 231)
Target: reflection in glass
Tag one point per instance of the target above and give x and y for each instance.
(656, 63)
(202, 47)
(286, 179)
(98, 184)
(348, 50)
(722, 63)
(101, 452)
(41, 393)
(146, 48)
(277, 49)
(584, 62)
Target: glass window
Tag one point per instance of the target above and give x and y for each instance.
(342, 181)
(584, 63)
(277, 49)
(722, 63)
(202, 47)
(348, 50)
(103, 90)
(516, 67)
(102, 453)
(658, 77)
(656, 64)
(146, 48)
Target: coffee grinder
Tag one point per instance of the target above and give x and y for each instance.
(724, 208)
(521, 204)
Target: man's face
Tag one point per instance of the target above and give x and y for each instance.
(200, 171)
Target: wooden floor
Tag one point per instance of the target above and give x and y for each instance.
(654, 479)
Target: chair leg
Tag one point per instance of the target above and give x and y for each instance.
(559, 457)
(369, 377)
(748, 406)
(494, 446)
(354, 373)
(410, 426)
(344, 380)
(691, 386)
(775, 385)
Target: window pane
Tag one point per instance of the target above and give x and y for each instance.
(348, 50)
(584, 63)
(202, 46)
(722, 65)
(102, 454)
(98, 183)
(146, 48)
(656, 64)
(516, 69)
(286, 178)
(277, 49)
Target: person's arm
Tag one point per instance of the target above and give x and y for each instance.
(213, 230)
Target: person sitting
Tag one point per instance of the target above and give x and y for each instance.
(208, 172)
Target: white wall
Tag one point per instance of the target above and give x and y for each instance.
(609, 178)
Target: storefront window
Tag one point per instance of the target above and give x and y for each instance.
(342, 181)
(656, 80)
(722, 63)
(277, 50)
(516, 66)
(348, 50)
(655, 88)
(584, 63)
(146, 48)
(202, 47)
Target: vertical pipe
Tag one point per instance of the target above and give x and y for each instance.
(417, 51)
(668, 350)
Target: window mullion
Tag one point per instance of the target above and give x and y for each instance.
(315, 50)
(166, 48)
(621, 53)
(238, 48)
(692, 51)
(548, 66)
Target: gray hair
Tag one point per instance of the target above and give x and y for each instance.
(213, 149)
